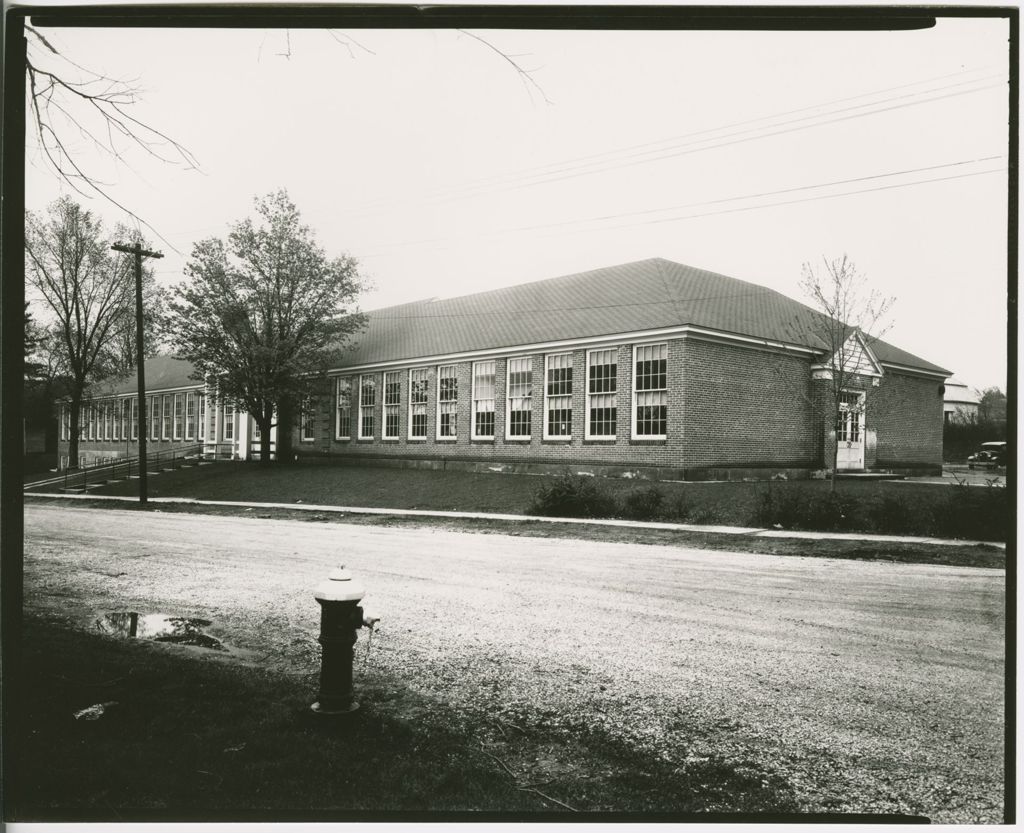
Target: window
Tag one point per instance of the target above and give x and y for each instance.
(558, 396)
(343, 417)
(418, 404)
(106, 420)
(229, 421)
(519, 398)
(850, 406)
(392, 398)
(190, 415)
(602, 366)
(179, 415)
(447, 402)
(367, 399)
(307, 428)
(115, 419)
(165, 425)
(650, 391)
(135, 418)
(154, 417)
(201, 413)
(483, 400)
(65, 424)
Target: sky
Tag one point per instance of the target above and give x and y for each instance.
(444, 171)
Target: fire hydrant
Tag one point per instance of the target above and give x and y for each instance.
(340, 619)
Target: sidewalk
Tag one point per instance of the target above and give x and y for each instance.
(493, 516)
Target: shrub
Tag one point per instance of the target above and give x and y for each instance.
(800, 509)
(573, 496)
(981, 512)
(645, 504)
(892, 515)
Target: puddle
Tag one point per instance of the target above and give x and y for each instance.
(159, 627)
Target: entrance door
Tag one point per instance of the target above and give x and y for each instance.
(851, 431)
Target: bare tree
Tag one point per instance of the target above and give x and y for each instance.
(851, 317)
(87, 290)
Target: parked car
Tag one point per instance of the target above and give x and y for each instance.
(990, 454)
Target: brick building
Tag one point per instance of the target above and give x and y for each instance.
(649, 368)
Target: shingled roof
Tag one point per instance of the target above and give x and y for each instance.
(633, 297)
(162, 373)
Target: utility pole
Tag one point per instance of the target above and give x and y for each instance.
(139, 253)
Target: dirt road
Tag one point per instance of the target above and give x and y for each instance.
(873, 687)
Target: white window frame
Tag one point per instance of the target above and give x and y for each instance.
(154, 417)
(178, 416)
(370, 407)
(548, 397)
(105, 410)
(201, 416)
(419, 374)
(589, 396)
(190, 415)
(633, 408)
(307, 421)
(441, 374)
(338, 409)
(476, 400)
(509, 436)
(392, 378)
(134, 418)
(115, 420)
(166, 416)
(228, 422)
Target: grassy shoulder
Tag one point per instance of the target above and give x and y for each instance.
(877, 507)
(186, 734)
(954, 555)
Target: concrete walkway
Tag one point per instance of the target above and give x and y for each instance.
(493, 516)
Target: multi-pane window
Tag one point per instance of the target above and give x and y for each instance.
(179, 415)
(165, 425)
(483, 400)
(126, 418)
(650, 391)
(307, 429)
(392, 398)
(418, 404)
(135, 417)
(229, 421)
(343, 415)
(558, 396)
(90, 421)
(115, 419)
(849, 417)
(190, 415)
(106, 420)
(519, 397)
(201, 412)
(602, 367)
(154, 417)
(367, 400)
(447, 402)
(65, 422)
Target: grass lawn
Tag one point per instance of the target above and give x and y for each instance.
(190, 735)
(875, 507)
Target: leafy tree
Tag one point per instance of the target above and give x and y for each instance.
(991, 405)
(87, 291)
(266, 313)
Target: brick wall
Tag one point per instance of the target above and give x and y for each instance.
(746, 407)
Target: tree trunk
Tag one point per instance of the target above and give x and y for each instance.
(264, 419)
(75, 416)
(285, 417)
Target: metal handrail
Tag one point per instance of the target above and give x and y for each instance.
(109, 471)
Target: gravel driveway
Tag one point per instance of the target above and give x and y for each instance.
(871, 687)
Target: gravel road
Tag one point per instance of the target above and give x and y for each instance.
(871, 687)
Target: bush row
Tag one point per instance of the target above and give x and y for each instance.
(955, 512)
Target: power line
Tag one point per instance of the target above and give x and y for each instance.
(547, 170)
(739, 209)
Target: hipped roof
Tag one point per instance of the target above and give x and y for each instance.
(632, 297)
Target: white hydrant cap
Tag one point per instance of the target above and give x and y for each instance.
(339, 587)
